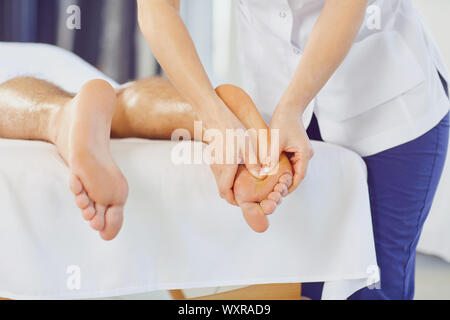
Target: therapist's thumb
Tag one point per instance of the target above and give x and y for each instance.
(251, 159)
(253, 166)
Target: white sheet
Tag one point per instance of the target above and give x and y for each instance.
(178, 233)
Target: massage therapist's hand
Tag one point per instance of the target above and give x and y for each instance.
(162, 26)
(222, 119)
(293, 141)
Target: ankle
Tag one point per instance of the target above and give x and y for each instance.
(55, 119)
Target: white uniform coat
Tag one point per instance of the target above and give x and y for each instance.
(386, 92)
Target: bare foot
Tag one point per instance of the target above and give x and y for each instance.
(259, 198)
(256, 197)
(83, 138)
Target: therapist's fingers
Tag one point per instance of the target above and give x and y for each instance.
(225, 176)
(270, 165)
(228, 184)
(228, 195)
(251, 156)
(253, 166)
(300, 163)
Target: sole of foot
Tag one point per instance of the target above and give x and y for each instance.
(84, 128)
(260, 198)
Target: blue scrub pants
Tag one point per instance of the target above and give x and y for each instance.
(402, 184)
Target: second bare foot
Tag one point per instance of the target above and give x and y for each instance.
(83, 139)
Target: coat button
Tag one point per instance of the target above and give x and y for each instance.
(283, 14)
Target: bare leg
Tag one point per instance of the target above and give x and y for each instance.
(151, 109)
(79, 126)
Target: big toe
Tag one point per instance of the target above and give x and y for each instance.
(113, 223)
(255, 217)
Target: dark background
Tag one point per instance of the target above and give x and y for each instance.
(106, 26)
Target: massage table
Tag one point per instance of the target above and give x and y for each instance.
(178, 233)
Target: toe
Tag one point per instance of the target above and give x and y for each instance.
(113, 223)
(82, 200)
(268, 206)
(98, 222)
(75, 185)
(286, 179)
(275, 196)
(282, 189)
(255, 217)
(89, 213)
